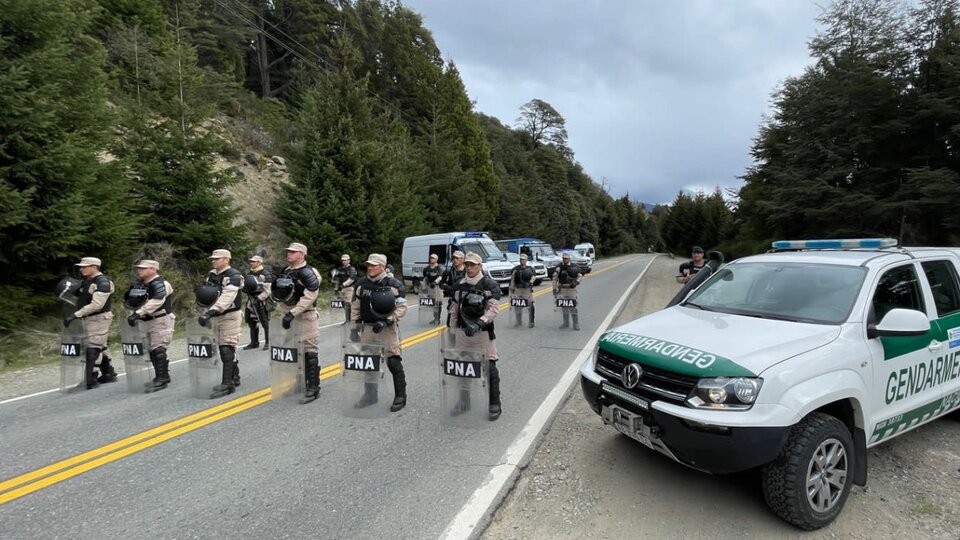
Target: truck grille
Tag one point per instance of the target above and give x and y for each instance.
(499, 274)
(655, 383)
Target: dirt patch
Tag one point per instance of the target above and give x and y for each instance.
(588, 481)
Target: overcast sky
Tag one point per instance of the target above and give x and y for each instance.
(658, 96)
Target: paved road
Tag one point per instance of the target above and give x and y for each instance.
(167, 465)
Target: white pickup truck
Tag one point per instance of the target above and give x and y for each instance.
(795, 362)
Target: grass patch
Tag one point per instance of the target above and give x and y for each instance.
(924, 507)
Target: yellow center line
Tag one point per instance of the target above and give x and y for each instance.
(24, 484)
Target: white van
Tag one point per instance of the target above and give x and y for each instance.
(417, 250)
(587, 249)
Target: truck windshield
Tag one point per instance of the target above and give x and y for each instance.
(484, 247)
(544, 250)
(811, 293)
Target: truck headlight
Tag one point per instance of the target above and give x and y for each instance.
(733, 393)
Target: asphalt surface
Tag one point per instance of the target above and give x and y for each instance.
(269, 470)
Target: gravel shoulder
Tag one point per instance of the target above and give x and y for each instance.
(587, 481)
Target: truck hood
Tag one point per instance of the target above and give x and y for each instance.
(709, 344)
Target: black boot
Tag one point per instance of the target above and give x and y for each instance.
(266, 334)
(566, 319)
(495, 408)
(576, 321)
(312, 368)
(369, 396)
(89, 368)
(346, 313)
(107, 373)
(236, 373)
(531, 314)
(395, 365)
(161, 366)
(254, 338)
(228, 357)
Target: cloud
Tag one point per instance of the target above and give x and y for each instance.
(658, 97)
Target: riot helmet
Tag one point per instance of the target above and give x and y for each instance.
(526, 274)
(573, 272)
(207, 295)
(472, 306)
(283, 289)
(135, 297)
(68, 289)
(252, 285)
(382, 302)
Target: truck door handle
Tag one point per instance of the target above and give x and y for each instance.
(934, 345)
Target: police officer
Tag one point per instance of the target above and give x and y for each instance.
(345, 276)
(451, 277)
(157, 316)
(372, 301)
(226, 309)
(465, 296)
(256, 313)
(566, 278)
(300, 310)
(93, 306)
(521, 286)
(432, 276)
(691, 267)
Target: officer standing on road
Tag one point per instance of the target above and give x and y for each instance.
(372, 300)
(479, 291)
(521, 286)
(93, 306)
(451, 277)
(300, 312)
(566, 278)
(432, 276)
(256, 312)
(156, 314)
(691, 267)
(226, 309)
(345, 277)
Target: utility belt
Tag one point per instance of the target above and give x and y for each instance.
(488, 328)
(520, 285)
(153, 317)
(231, 310)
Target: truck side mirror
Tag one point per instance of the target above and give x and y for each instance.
(900, 322)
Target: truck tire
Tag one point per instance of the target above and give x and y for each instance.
(808, 483)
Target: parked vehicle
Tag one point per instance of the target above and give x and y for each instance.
(417, 250)
(539, 269)
(586, 249)
(535, 249)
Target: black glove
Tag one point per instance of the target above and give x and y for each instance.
(355, 334)
(573, 284)
(204, 319)
(69, 319)
(471, 329)
(379, 326)
(132, 319)
(287, 319)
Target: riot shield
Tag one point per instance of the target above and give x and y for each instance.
(203, 356)
(362, 370)
(464, 369)
(430, 298)
(336, 302)
(287, 374)
(520, 308)
(565, 308)
(136, 357)
(73, 355)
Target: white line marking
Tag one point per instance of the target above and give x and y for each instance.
(28, 396)
(477, 511)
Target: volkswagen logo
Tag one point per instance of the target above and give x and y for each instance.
(630, 376)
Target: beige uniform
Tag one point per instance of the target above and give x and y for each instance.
(96, 325)
(389, 337)
(228, 324)
(305, 321)
(565, 290)
(480, 340)
(157, 323)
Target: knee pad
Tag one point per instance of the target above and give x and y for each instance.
(227, 353)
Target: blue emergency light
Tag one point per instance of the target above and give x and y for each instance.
(848, 243)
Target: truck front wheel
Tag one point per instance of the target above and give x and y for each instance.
(808, 483)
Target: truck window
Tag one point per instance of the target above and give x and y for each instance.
(898, 288)
(441, 252)
(943, 285)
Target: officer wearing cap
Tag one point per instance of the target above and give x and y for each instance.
(300, 311)
(156, 314)
(345, 277)
(432, 277)
(93, 306)
(226, 309)
(566, 278)
(256, 313)
(475, 282)
(691, 267)
(371, 306)
(521, 286)
(451, 277)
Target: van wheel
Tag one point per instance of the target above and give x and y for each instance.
(808, 483)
